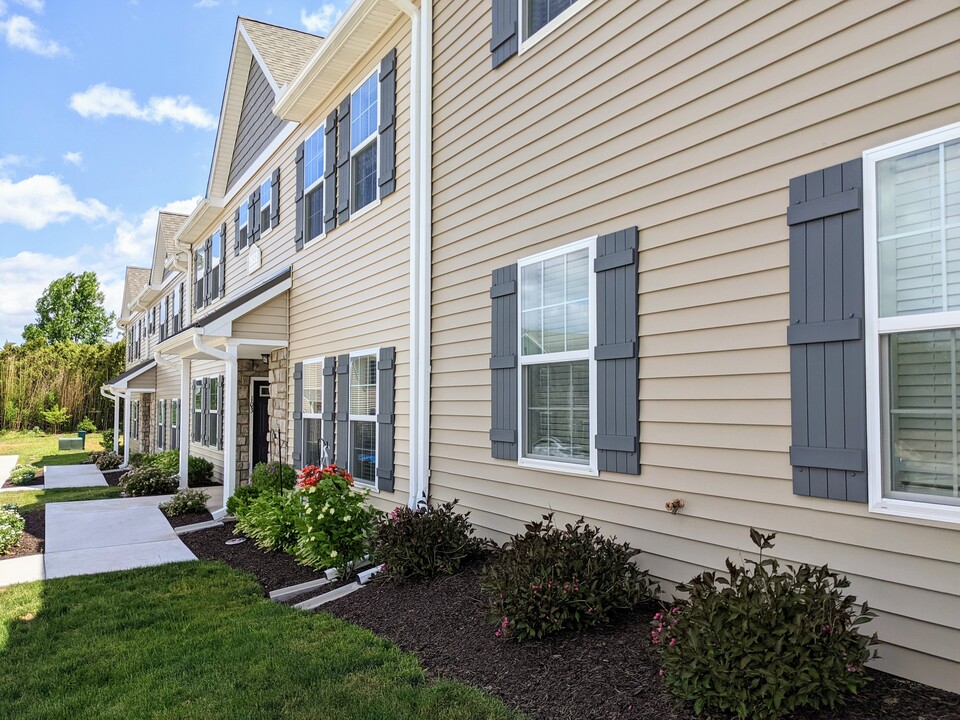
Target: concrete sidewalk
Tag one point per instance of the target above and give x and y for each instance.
(72, 476)
(7, 463)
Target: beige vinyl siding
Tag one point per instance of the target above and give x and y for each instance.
(267, 322)
(687, 120)
(200, 369)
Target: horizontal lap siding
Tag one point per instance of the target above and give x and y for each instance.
(201, 369)
(267, 322)
(687, 120)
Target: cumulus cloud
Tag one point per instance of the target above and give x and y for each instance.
(35, 5)
(103, 100)
(41, 200)
(73, 158)
(134, 239)
(320, 21)
(206, 3)
(22, 33)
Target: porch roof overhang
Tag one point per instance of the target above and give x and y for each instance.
(135, 377)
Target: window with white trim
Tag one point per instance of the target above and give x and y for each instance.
(135, 419)
(213, 401)
(161, 424)
(243, 224)
(313, 153)
(535, 15)
(311, 449)
(198, 411)
(557, 397)
(266, 202)
(174, 424)
(364, 121)
(912, 252)
(362, 462)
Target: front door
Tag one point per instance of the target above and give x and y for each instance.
(261, 394)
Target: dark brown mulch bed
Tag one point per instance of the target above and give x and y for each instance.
(34, 532)
(608, 672)
(38, 480)
(273, 570)
(189, 518)
(113, 476)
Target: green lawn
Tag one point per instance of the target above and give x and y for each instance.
(28, 500)
(42, 450)
(197, 640)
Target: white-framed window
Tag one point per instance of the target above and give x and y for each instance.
(557, 387)
(198, 411)
(199, 275)
(174, 424)
(214, 397)
(243, 224)
(364, 161)
(177, 308)
(161, 423)
(266, 203)
(539, 18)
(311, 443)
(162, 312)
(912, 282)
(362, 462)
(313, 155)
(135, 419)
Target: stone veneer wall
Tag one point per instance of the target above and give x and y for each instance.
(277, 407)
(146, 423)
(246, 370)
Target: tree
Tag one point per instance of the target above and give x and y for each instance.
(71, 309)
(56, 416)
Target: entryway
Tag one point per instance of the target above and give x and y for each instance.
(259, 422)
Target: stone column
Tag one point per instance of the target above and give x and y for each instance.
(277, 407)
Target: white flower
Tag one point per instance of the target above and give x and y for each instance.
(333, 553)
(346, 518)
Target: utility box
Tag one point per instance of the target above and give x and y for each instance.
(70, 443)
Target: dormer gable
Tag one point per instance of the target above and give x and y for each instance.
(134, 282)
(164, 249)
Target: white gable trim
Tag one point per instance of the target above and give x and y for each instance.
(259, 57)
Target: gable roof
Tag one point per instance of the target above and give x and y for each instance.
(284, 50)
(135, 280)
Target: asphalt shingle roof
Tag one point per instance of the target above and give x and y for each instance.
(285, 51)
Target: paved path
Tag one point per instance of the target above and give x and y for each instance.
(7, 463)
(71, 476)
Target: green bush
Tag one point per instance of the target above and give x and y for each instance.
(766, 642)
(335, 525)
(199, 471)
(550, 579)
(185, 501)
(23, 474)
(137, 459)
(109, 461)
(107, 438)
(423, 543)
(11, 528)
(148, 481)
(241, 499)
(270, 520)
(87, 425)
(168, 461)
(273, 476)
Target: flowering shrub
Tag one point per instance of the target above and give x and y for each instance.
(423, 543)
(766, 642)
(271, 520)
(551, 579)
(148, 481)
(185, 501)
(334, 528)
(273, 476)
(23, 474)
(108, 461)
(11, 528)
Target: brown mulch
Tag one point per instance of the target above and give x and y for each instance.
(34, 532)
(189, 518)
(113, 476)
(272, 569)
(609, 672)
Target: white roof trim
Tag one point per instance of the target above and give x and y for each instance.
(223, 326)
(256, 53)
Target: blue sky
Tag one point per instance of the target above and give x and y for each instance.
(110, 114)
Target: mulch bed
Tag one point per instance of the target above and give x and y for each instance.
(608, 672)
(113, 476)
(272, 569)
(189, 518)
(34, 532)
(38, 480)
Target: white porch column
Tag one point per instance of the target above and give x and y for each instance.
(230, 425)
(116, 423)
(186, 417)
(126, 428)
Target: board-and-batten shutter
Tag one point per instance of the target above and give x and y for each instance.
(504, 371)
(618, 427)
(388, 125)
(343, 410)
(386, 383)
(253, 217)
(205, 409)
(236, 232)
(827, 349)
(298, 415)
(275, 198)
(198, 292)
(220, 413)
(344, 185)
(505, 41)
(330, 175)
(222, 280)
(328, 414)
(197, 434)
(208, 271)
(298, 198)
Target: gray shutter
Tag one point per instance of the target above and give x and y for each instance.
(208, 270)
(343, 162)
(328, 414)
(298, 198)
(198, 291)
(343, 411)
(275, 198)
(222, 280)
(205, 408)
(220, 413)
(197, 423)
(504, 373)
(330, 175)
(505, 41)
(618, 426)
(386, 381)
(388, 126)
(236, 232)
(827, 350)
(182, 306)
(253, 215)
(298, 415)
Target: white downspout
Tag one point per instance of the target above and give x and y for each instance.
(111, 394)
(229, 409)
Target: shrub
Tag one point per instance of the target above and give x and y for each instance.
(87, 425)
(550, 579)
(185, 501)
(107, 438)
(423, 543)
(137, 459)
(242, 497)
(168, 461)
(335, 525)
(766, 642)
(270, 519)
(96, 455)
(108, 461)
(199, 471)
(55, 417)
(273, 476)
(148, 481)
(11, 528)
(22, 474)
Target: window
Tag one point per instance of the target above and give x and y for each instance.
(311, 452)
(265, 204)
(161, 424)
(364, 119)
(163, 317)
(178, 308)
(537, 14)
(198, 411)
(214, 397)
(174, 424)
(313, 151)
(216, 255)
(135, 419)
(152, 320)
(362, 462)
(912, 252)
(556, 367)
(243, 224)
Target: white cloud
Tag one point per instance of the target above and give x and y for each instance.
(320, 21)
(3, 8)
(133, 240)
(40, 200)
(206, 3)
(21, 32)
(35, 5)
(23, 278)
(102, 100)
(73, 158)
(10, 161)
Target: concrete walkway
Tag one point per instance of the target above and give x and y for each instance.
(72, 476)
(7, 463)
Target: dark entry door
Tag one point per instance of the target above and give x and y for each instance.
(261, 394)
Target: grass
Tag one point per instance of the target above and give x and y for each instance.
(197, 640)
(27, 500)
(42, 450)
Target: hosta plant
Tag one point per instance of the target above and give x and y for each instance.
(270, 520)
(11, 528)
(185, 501)
(765, 642)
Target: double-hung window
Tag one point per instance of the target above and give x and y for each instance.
(557, 372)
(537, 15)
(362, 462)
(199, 275)
(163, 317)
(135, 419)
(311, 451)
(214, 397)
(198, 411)
(266, 203)
(174, 424)
(243, 224)
(216, 270)
(313, 153)
(912, 253)
(177, 308)
(161, 424)
(364, 119)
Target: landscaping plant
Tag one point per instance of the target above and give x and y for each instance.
(185, 501)
(167, 461)
(11, 528)
(87, 425)
(108, 461)
(148, 481)
(270, 520)
(335, 525)
(550, 579)
(23, 474)
(199, 471)
(238, 503)
(423, 543)
(766, 642)
(273, 476)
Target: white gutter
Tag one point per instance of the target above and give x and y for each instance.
(169, 364)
